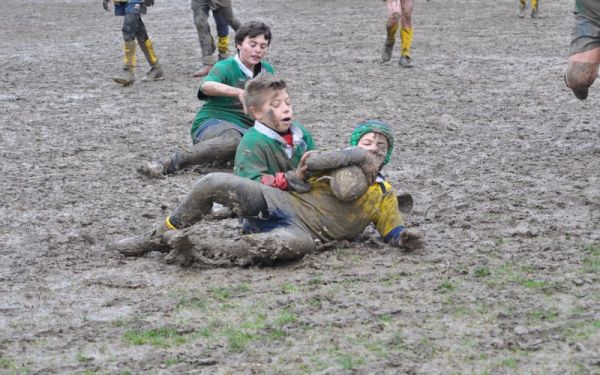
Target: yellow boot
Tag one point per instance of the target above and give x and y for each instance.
(534, 9)
(407, 35)
(127, 76)
(155, 73)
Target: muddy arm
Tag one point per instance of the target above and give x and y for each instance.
(326, 160)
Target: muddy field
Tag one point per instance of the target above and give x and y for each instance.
(502, 161)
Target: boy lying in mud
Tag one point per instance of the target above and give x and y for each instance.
(285, 224)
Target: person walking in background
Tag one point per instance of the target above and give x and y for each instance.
(222, 11)
(134, 29)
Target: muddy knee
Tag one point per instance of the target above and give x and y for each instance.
(580, 76)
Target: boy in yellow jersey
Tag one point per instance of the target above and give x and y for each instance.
(285, 225)
(399, 14)
(523, 7)
(134, 29)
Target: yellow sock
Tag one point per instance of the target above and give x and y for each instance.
(148, 50)
(391, 33)
(407, 36)
(534, 4)
(523, 3)
(223, 45)
(129, 50)
(169, 225)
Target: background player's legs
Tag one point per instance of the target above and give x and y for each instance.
(391, 27)
(147, 48)
(131, 23)
(201, 10)
(406, 32)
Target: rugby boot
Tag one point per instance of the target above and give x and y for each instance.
(154, 74)
(386, 55)
(156, 169)
(156, 239)
(127, 76)
(522, 7)
(405, 62)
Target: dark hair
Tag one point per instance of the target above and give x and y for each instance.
(258, 89)
(252, 29)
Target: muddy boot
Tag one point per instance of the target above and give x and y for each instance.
(156, 239)
(522, 7)
(386, 55)
(405, 62)
(154, 74)
(158, 169)
(127, 76)
(411, 240)
(580, 94)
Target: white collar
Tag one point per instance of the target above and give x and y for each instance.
(297, 136)
(243, 67)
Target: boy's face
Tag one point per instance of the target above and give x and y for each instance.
(253, 50)
(276, 112)
(376, 144)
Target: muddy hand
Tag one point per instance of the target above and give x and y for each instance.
(411, 240)
(370, 167)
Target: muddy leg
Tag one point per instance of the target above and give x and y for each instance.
(278, 245)
(242, 195)
(220, 149)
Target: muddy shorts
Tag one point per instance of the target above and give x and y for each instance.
(213, 128)
(585, 35)
(124, 8)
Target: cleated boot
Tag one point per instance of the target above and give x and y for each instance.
(154, 74)
(156, 239)
(521, 12)
(386, 55)
(535, 13)
(405, 62)
(126, 78)
(156, 169)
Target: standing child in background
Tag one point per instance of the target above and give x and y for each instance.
(523, 7)
(399, 14)
(220, 123)
(134, 28)
(222, 11)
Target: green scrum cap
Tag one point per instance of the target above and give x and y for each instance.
(375, 126)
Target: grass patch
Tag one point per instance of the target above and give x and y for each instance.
(237, 339)
(482, 272)
(540, 315)
(591, 262)
(161, 337)
(7, 363)
(289, 288)
(446, 287)
(170, 361)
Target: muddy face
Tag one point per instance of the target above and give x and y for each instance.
(253, 50)
(376, 144)
(276, 112)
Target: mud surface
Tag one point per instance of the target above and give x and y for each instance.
(502, 161)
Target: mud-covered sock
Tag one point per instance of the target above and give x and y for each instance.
(172, 223)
